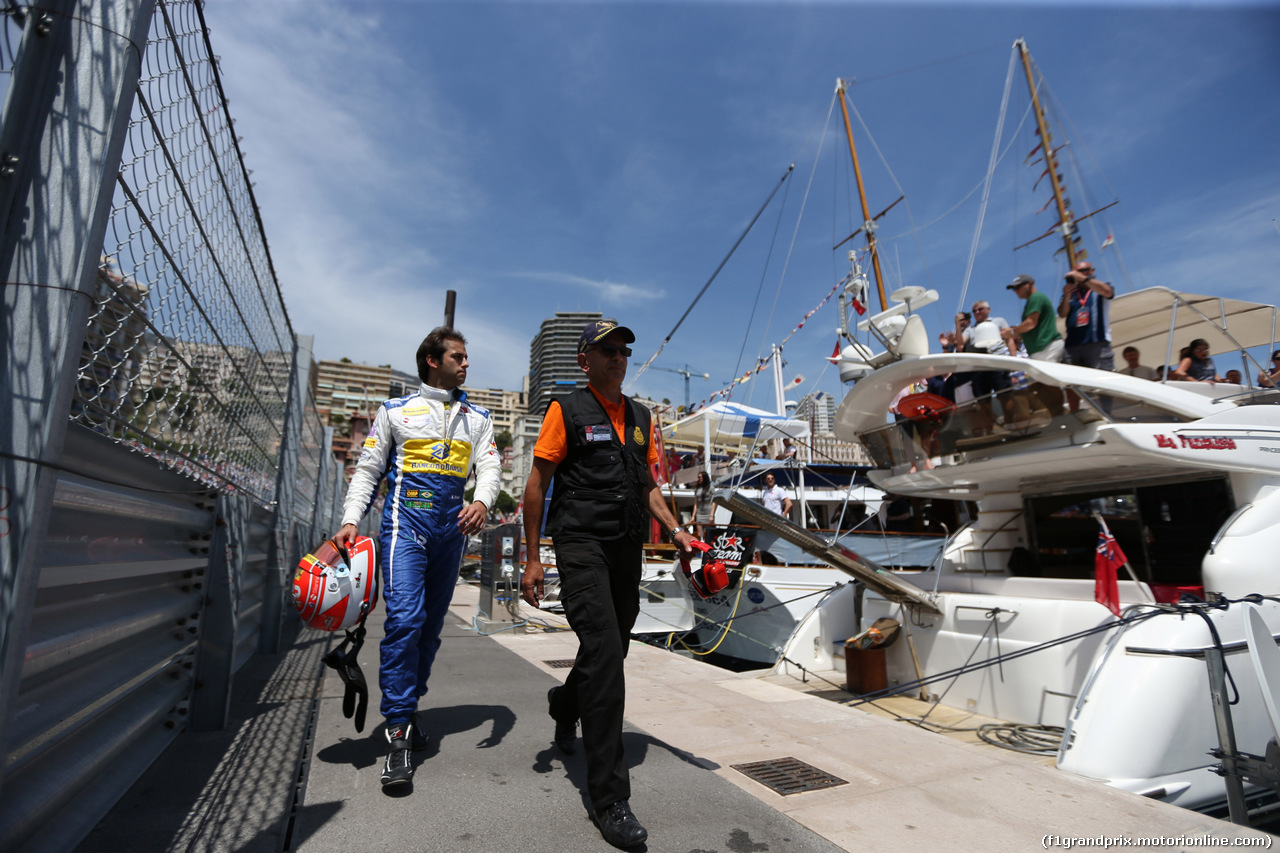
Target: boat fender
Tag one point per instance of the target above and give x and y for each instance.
(881, 634)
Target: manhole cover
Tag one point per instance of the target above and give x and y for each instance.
(789, 776)
(560, 664)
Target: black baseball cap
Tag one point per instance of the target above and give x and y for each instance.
(599, 330)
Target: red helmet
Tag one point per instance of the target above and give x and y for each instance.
(334, 588)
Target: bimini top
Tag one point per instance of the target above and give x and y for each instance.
(1142, 319)
(723, 421)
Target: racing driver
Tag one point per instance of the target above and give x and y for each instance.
(426, 445)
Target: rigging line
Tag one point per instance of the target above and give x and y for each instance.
(986, 192)
(817, 156)
(743, 236)
(999, 659)
(1013, 138)
(764, 271)
(901, 192)
(995, 621)
(791, 248)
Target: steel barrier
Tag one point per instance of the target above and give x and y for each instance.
(162, 462)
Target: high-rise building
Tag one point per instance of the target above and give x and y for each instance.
(553, 358)
(504, 406)
(819, 409)
(346, 388)
(403, 384)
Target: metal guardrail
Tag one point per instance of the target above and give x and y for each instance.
(147, 541)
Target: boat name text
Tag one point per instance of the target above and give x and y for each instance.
(1196, 442)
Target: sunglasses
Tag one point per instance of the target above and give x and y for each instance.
(610, 350)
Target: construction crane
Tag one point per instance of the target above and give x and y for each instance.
(686, 373)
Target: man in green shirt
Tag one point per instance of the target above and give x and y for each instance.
(1039, 327)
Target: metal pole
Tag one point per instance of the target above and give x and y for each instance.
(278, 569)
(1236, 806)
(64, 127)
(450, 298)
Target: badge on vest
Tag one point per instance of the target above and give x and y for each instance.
(598, 432)
(638, 436)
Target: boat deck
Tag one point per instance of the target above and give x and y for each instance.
(290, 773)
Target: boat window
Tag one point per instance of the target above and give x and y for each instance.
(1164, 530)
(1015, 414)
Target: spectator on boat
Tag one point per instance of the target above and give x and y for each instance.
(987, 336)
(1271, 378)
(897, 514)
(1234, 377)
(598, 448)
(1084, 305)
(702, 506)
(422, 539)
(1039, 328)
(1133, 368)
(774, 497)
(788, 450)
(1195, 365)
(948, 340)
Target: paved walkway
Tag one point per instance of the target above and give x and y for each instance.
(491, 781)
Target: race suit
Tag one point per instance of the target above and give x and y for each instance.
(425, 444)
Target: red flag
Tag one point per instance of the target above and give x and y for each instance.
(858, 306)
(834, 358)
(1109, 557)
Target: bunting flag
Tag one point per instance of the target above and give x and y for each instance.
(762, 363)
(1107, 242)
(1109, 557)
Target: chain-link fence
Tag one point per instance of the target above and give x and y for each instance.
(140, 297)
(189, 346)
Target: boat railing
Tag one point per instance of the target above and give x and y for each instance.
(1034, 410)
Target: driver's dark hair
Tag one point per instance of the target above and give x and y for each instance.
(433, 346)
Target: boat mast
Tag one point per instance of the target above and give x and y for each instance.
(1065, 219)
(868, 224)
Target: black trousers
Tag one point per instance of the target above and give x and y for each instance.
(600, 588)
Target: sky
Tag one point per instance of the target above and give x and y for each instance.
(537, 157)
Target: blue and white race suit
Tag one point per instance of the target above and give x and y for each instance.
(425, 444)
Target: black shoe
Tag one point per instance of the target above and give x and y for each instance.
(398, 768)
(619, 826)
(566, 730)
(417, 737)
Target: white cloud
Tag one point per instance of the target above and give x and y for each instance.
(339, 157)
(614, 293)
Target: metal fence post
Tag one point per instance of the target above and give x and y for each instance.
(219, 622)
(339, 492)
(278, 571)
(63, 131)
(324, 487)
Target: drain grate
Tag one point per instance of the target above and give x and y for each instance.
(560, 664)
(789, 775)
